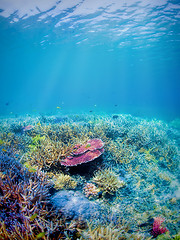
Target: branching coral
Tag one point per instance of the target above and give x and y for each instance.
(121, 152)
(90, 190)
(108, 181)
(118, 231)
(64, 181)
(25, 210)
(157, 228)
(46, 153)
(144, 152)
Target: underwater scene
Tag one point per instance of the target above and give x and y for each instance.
(90, 119)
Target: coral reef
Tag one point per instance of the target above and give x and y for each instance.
(135, 179)
(91, 145)
(25, 209)
(83, 158)
(110, 231)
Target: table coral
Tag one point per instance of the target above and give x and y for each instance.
(85, 153)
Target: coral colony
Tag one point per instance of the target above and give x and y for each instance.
(88, 177)
(85, 153)
(157, 228)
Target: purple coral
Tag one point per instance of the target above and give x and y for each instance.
(25, 208)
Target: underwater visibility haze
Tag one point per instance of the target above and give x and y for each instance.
(110, 56)
(90, 119)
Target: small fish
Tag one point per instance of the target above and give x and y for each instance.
(27, 128)
(33, 217)
(58, 107)
(7, 103)
(40, 235)
(115, 116)
(90, 111)
(4, 150)
(88, 145)
(115, 105)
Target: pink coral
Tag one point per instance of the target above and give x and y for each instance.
(157, 229)
(91, 190)
(91, 145)
(85, 153)
(83, 158)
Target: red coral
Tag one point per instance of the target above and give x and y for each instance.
(85, 153)
(157, 229)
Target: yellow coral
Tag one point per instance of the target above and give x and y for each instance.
(108, 181)
(63, 181)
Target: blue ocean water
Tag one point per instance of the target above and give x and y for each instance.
(90, 56)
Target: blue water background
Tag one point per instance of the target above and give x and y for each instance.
(124, 62)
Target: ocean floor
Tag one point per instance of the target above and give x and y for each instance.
(89, 177)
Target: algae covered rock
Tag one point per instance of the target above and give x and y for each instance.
(75, 205)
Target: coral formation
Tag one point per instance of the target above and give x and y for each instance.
(63, 181)
(91, 145)
(110, 231)
(91, 190)
(108, 181)
(84, 153)
(83, 158)
(25, 209)
(157, 228)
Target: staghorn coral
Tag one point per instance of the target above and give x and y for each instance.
(118, 231)
(25, 209)
(47, 153)
(108, 181)
(121, 152)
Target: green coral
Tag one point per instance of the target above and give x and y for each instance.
(164, 237)
(36, 141)
(177, 237)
